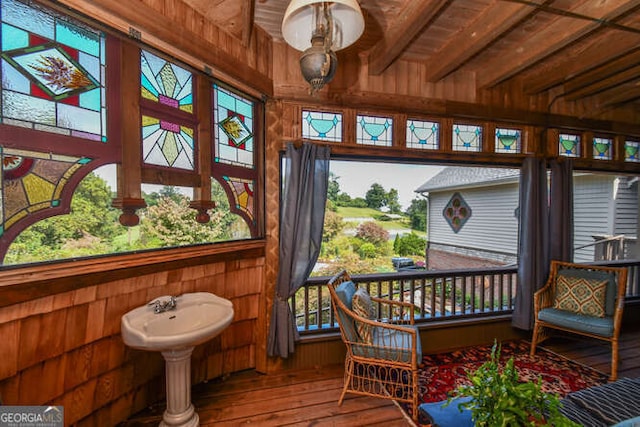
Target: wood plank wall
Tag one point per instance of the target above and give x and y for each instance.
(66, 349)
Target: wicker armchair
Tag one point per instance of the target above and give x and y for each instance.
(577, 310)
(383, 350)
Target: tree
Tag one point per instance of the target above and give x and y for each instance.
(410, 244)
(372, 233)
(417, 213)
(376, 197)
(333, 188)
(392, 201)
(333, 225)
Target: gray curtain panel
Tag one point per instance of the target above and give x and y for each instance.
(301, 220)
(561, 210)
(533, 260)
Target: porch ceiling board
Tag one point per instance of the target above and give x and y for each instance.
(602, 84)
(586, 17)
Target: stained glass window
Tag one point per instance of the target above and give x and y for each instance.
(166, 83)
(508, 140)
(233, 128)
(374, 130)
(423, 135)
(322, 126)
(167, 144)
(456, 212)
(569, 145)
(631, 151)
(467, 137)
(242, 190)
(602, 148)
(53, 72)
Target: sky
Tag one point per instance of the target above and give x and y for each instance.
(356, 178)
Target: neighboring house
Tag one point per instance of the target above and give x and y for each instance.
(472, 217)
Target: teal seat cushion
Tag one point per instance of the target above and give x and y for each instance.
(632, 422)
(612, 287)
(602, 326)
(440, 415)
(345, 292)
(391, 345)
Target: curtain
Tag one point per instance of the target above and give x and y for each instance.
(301, 220)
(561, 210)
(533, 260)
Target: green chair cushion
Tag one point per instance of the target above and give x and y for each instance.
(602, 326)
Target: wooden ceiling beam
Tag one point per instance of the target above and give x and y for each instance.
(622, 94)
(617, 71)
(248, 16)
(494, 21)
(411, 21)
(553, 38)
(594, 54)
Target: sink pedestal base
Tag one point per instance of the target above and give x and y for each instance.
(180, 411)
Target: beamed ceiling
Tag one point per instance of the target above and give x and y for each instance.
(576, 48)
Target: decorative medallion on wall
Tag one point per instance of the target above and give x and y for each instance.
(456, 212)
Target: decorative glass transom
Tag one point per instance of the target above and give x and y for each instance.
(32, 181)
(631, 151)
(242, 190)
(233, 127)
(602, 148)
(53, 72)
(322, 126)
(508, 140)
(167, 144)
(166, 83)
(467, 137)
(569, 145)
(456, 212)
(423, 135)
(374, 130)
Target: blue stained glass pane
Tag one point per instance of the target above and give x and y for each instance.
(147, 84)
(233, 128)
(423, 134)
(28, 18)
(374, 130)
(467, 138)
(77, 38)
(226, 101)
(569, 145)
(508, 140)
(91, 64)
(12, 79)
(13, 38)
(323, 126)
(91, 100)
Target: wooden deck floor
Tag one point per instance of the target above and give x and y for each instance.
(306, 398)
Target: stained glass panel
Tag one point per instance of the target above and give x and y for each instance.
(456, 212)
(508, 140)
(233, 128)
(569, 145)
(53, 72)
(631, 151)
(32, 181)
(602, 148)
(374, 130)
(467, 137)
(167, 144)
(423, 135)
(322, 126)
(165, 82)
(243, 195)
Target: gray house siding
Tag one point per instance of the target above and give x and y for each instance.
(592, 206)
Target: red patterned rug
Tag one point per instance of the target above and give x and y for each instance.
(442, 373)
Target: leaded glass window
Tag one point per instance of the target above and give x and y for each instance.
(508, 140)
(233, 128)
(53, 72)
(167, 144)
(467, 137)
(243, 196)
(371, 130)
(166, 83)
(631, 151)
(323, 126)
(456, 212)
(569, 145)
(602, 148)
(423, 134)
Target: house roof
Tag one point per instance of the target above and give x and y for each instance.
(457, 177)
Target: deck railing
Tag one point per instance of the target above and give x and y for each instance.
(436, 295)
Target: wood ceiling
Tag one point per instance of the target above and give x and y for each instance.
(575, 49)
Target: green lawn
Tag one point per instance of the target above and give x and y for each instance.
(402, 224)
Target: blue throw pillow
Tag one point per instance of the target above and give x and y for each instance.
(440, 415)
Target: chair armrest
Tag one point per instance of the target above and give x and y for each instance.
(543, 298)
(402, 307)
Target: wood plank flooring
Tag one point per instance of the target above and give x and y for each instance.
(310, 397)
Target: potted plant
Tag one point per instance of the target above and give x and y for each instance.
(496, 397)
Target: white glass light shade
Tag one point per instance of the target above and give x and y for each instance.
(298, 23)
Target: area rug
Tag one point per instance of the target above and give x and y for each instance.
(441, 373)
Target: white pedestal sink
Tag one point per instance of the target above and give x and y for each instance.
(196, 318)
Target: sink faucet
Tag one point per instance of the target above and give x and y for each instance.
(162, 306)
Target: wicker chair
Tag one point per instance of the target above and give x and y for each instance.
(554, 311)
(383, 350)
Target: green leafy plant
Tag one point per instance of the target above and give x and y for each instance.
(498, 398)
